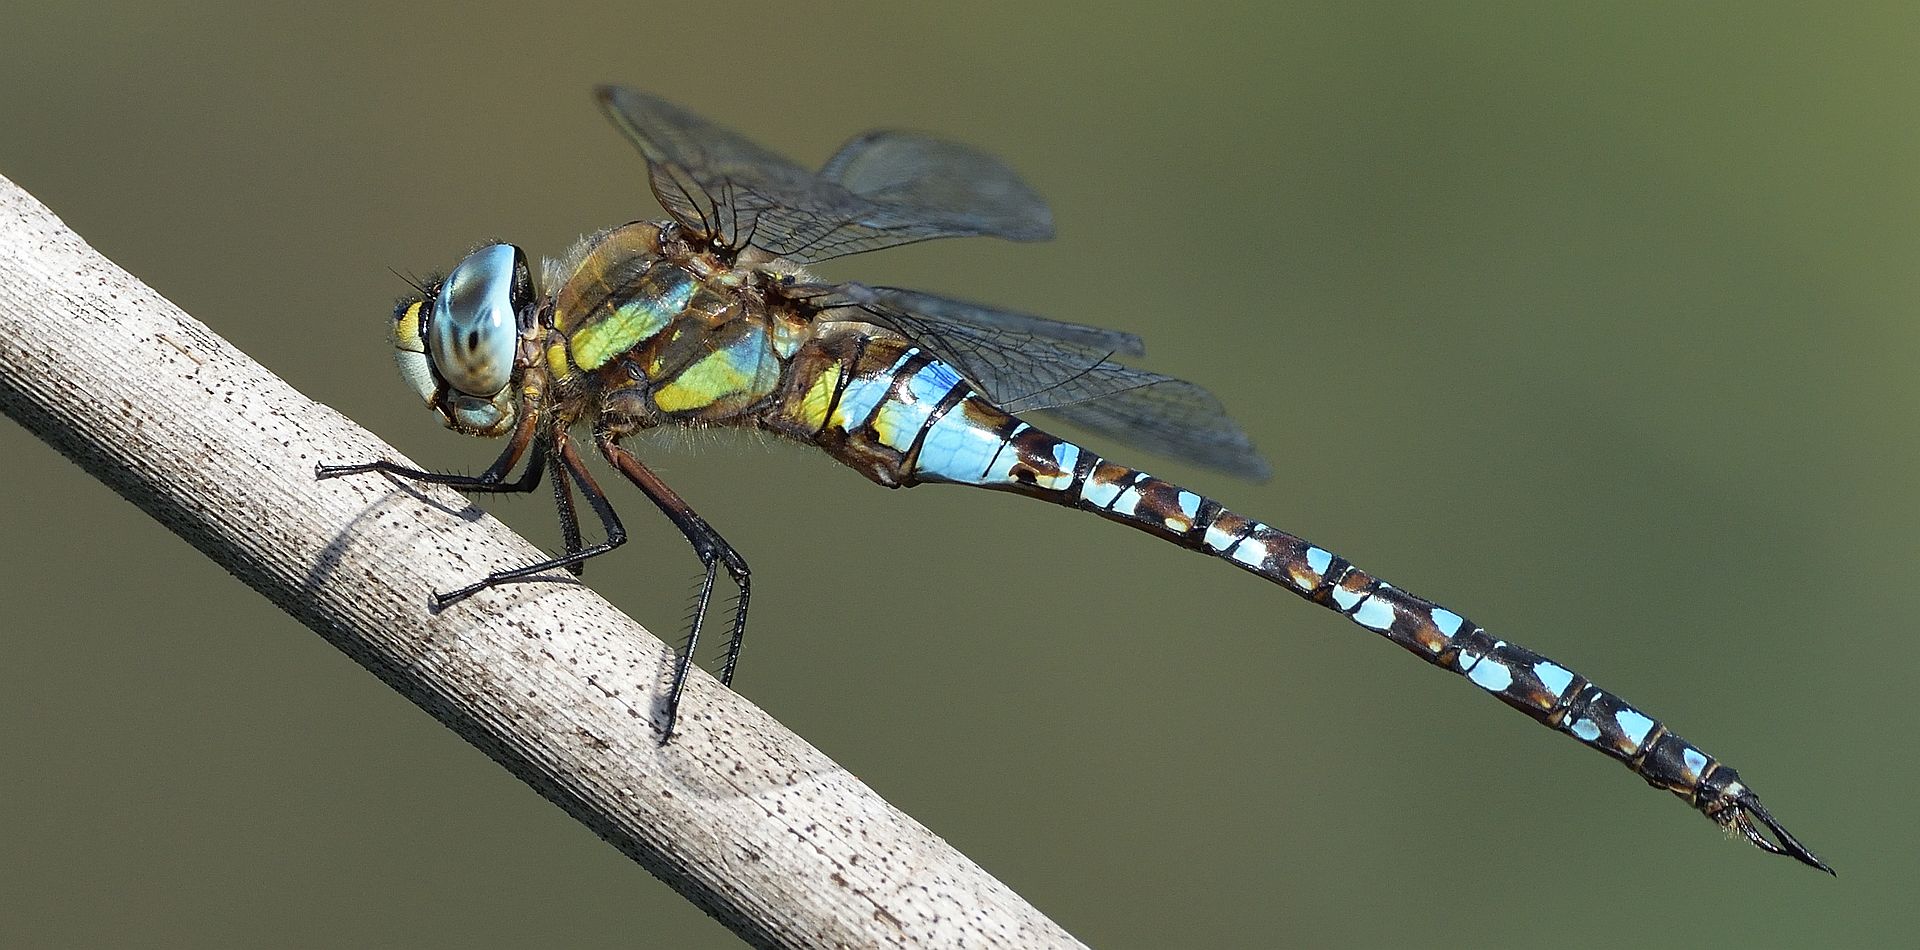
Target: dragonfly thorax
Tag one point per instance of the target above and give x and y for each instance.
(648, 329)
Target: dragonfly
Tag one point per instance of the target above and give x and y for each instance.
(710, 318)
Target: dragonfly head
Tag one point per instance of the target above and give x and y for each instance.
(457, 343)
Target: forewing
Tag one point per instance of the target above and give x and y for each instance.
(1024, 363)
(937, 309)
(910, 169)
(729, 189)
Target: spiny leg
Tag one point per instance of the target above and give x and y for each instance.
(569, 521)
(597, 500)
(738, 636)
(491, 481)
(714, 552)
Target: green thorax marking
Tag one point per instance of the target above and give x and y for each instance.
(734, 374)
(630, 313)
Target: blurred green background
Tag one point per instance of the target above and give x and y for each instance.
(1596, 324)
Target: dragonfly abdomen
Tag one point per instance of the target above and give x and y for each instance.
(1546, 691)
(881, 405)
(893, 412)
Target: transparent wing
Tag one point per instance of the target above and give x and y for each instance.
(1025, 363)
(1175, 418)
(935, 309)
(913, 170)
(886, 188)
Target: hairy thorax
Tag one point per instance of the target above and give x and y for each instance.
(649, 331)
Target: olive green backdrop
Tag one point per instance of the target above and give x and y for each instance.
(1599, 326)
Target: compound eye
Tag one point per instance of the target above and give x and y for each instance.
(474, 329)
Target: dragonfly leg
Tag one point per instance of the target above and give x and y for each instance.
(491, 481)
(569, 521)
(714, 552)
(596, 499)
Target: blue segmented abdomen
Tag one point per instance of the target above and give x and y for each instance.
(901, 417)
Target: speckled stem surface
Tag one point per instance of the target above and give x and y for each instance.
(738, 814)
